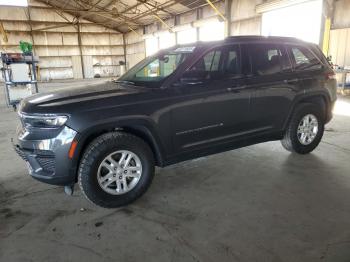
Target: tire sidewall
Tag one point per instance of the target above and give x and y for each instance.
(299, 114)
(89, 169)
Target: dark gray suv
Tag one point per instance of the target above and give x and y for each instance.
(182, 103)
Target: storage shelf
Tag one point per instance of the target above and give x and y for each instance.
(54, 67)
(105, 65)
(20, 83)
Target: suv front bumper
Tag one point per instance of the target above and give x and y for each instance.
(47, 159)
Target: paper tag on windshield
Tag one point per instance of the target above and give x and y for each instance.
(185, 49)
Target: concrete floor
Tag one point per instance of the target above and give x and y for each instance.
(258, 203)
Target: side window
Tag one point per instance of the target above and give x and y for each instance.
(265, 59)
(232, 61)
(303, 58)
(208, 64)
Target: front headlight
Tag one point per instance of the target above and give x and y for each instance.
(43, 120)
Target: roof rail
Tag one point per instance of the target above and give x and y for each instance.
(260, 37)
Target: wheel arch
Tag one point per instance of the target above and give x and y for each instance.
(137, 128)
(321, 99)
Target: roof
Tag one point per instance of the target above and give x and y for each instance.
(242, 38)
(262, 38)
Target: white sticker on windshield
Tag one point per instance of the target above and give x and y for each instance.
(185, 49)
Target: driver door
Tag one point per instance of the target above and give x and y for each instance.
(213, 106)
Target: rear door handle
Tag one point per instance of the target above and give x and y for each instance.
(291, 81)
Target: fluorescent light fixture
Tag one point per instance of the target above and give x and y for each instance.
(14, 2)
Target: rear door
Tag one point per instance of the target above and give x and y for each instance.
(269, 74)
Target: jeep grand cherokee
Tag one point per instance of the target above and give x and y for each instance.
(181, 103)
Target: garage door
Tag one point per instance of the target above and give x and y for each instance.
(301, 19)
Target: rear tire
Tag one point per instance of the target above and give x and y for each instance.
(301, 136)
(110, 182)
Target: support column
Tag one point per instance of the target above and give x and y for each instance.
(31, 27)
(198, 17)
(176, 22)
(326, 35)
(228, 4)
(80, 51)
(124, 49)
(327, 18)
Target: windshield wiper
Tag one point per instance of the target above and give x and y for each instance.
(125, 82)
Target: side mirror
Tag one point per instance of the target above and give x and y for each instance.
(193, 77)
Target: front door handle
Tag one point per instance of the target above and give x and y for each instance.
(291, 81)
(236, 89)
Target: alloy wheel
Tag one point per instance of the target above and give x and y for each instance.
(119, 172)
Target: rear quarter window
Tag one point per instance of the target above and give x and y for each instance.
(303, 59)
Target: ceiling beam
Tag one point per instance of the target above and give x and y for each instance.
(127, 20)
(85, 6)
(165, 5)
(155, 6)
(151, 11)
(90, 9)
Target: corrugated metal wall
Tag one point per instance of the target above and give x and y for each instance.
(135, 48)
(339, 46)
(341, 14)
(245, 20)
(58, 48)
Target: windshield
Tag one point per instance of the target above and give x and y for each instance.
(152, 70)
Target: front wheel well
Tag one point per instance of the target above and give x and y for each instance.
(136, 131)
(147, 136)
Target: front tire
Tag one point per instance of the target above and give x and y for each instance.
(305, 129)
(116, 169)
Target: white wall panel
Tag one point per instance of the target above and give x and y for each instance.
(7, 13)
(92, 39)
(341, 14)
(88, 66)
(76, 66)
(57, 73)
(59, 61)
(250, 26)
(339, 47)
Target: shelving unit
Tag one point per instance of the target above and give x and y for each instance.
(16, 78)
(343, 80)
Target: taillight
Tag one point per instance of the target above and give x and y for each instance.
(330, 75)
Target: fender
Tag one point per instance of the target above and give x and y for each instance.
(306, 96)
(140, 126)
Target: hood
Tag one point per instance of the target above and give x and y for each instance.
(65, 99)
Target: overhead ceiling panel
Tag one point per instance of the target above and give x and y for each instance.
(123, 14)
